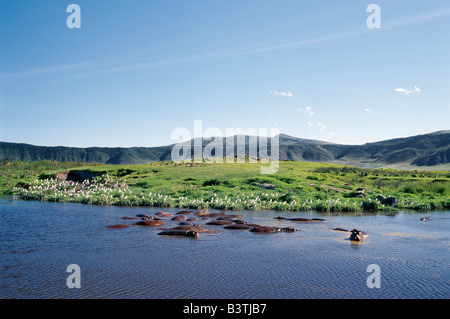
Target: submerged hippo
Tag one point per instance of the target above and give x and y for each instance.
(203, 213)
(235, 216)
(239, 226)
(265, 229)
(179, 233)
(342, 229)
(196, 228)
(161, 213)
(299, 219)
(425, 218)
(118, 226)
(225, 218)
(185, 212)
(165, 215)
(149, 223)
(179, 218)
(128, 218)
(221, 214)
(270, 229)
(220, 222)
(288, 229)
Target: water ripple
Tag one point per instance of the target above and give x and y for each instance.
(39, 240)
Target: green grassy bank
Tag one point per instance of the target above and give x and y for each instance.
(297, 186)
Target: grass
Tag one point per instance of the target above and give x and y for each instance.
(297, 186)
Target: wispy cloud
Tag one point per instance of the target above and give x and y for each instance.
(318, 125)
(94, 68)
(367, 109)
(45, 71)
(415, 90)
(308, 110)
(288, 94)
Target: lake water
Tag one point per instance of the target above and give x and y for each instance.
(39, 240)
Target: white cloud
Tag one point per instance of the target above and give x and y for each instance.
(308, 110)
(288, 94)
(332, 133)
(318, 125)
(415, 90)
(367, 109)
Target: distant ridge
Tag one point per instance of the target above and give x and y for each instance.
(420, 151)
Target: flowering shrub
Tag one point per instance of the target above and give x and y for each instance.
(104, 190)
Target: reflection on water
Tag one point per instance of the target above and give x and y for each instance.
(39, 240)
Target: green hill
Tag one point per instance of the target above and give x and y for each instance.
(416, 152)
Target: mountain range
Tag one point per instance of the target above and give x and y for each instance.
(428, 151)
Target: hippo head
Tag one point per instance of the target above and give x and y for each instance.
(191, 233)
(356, 235)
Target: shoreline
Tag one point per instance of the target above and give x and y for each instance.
(296, 187)
(361, 211)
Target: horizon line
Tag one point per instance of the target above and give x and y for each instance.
(308, 139)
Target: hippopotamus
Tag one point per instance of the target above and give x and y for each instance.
(299, 219)
(179, 218)
(288, 229)
(235, 216)
(161, 213)
(203, 213)
(265, 229)
(165, 215)
(225, 218)
(220, 222)
(185, 223)
(128, 218)
(118, 226)
(341, 229)
(270, 229)
(149, 223)
(425, 218)
(179, 232)
(221, 214)
(143, 215)
(196, 228)
(239, 226)
(192, 219)
(185, 212)
(357, 235)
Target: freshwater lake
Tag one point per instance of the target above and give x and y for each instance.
(40, 239)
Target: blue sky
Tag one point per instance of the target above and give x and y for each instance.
(137, 70)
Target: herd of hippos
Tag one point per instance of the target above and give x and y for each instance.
(187, 228)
